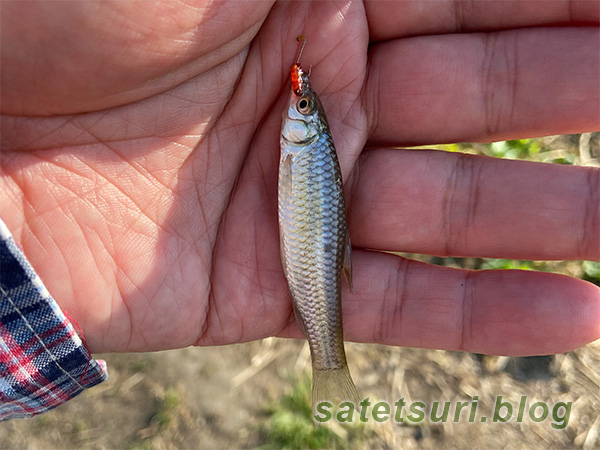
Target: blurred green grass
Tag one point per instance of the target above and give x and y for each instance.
(574, 149)
(290, 424)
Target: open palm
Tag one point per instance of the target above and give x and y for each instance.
(140, 152)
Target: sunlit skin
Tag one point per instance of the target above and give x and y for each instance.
(140, 146)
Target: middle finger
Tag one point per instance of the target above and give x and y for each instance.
(443, 203)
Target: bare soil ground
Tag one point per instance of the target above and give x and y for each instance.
(205, 398)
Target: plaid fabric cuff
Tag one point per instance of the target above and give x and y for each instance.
(43, 362)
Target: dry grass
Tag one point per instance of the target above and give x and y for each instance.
(151, 403)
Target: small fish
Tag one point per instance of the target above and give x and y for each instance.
(314, 239)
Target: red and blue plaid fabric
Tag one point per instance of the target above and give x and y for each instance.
(43, 362)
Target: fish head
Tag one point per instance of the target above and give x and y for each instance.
(304, 118)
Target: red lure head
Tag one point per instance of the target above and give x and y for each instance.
(297, 83)
(296, 69)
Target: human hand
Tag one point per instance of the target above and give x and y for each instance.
(140, 153)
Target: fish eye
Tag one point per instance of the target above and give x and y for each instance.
(304, 105)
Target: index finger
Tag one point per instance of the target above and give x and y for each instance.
(483, 86)
(392, 20)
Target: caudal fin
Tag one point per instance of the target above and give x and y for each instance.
(333, 386)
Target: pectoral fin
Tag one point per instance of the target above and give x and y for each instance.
(347, 266)
(285, 189)
(285, 174)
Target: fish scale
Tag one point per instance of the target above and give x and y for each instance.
(315, 245)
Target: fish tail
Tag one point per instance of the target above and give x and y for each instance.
(334, 386)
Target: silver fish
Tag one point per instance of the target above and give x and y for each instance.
(314, 239)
